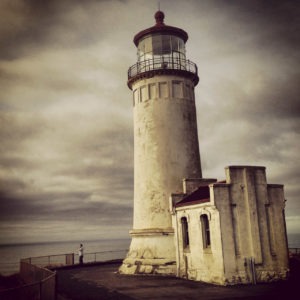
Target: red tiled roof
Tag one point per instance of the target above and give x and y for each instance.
(201, 195)
(179, 204)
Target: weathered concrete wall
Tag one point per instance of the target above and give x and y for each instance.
(247, 227)
(165, 146)
(197, 262)
(221, 198)
(259, 225)
(151, 254)
(166, 150)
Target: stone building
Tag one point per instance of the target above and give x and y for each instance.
(219, 232)
(232, 231)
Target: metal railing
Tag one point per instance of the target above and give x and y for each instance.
(162, 63)
(40, 284)
(102, 256)
(60, 260)
(40, 281)
(294, 251)
(51, 261)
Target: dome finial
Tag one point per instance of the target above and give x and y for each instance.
(159, 17)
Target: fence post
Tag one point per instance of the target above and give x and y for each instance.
(69, 259)
(55, 288)
(40, 288)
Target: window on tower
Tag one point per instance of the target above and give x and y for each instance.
(135, 97)
(152, 90)
(163, 89)
(144, 93)
(177, 89)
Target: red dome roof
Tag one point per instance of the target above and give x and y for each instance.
(159, 17)
(160, 28)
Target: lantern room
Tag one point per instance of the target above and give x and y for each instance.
(161, 50)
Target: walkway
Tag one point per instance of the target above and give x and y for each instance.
(103, 282)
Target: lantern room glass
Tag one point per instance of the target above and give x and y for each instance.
(160, 46)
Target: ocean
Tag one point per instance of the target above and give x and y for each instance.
(294, 240)
(10, 255)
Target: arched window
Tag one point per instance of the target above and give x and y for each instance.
(205, 231)
(185, 232)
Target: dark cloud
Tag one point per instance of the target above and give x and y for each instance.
(274, 99)
(64, 206)
(24, 23)
(38, 24)
(10, 185)
(278, 21)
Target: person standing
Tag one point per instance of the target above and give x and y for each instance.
(80, 254)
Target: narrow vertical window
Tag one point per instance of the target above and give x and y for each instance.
(185, 232)
(177, 89)
(205, 231)
(163, 90)
(135, 97)
(187, 91)
(152, 90)
(144, 93)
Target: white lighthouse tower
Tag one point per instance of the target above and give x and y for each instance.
(166, 149)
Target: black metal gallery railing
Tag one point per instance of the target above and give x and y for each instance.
(162, 63)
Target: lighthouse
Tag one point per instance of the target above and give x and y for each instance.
(166, 148)
(225, 232)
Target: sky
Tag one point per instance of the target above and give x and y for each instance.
(66, 121)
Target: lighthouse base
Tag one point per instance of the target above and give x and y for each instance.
(152, 251)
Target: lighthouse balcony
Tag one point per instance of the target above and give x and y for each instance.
(163, 66)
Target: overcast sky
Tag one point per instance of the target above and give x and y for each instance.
(66, 111)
